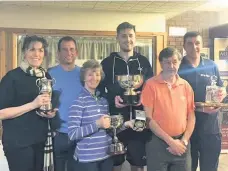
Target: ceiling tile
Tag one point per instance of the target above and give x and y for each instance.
(157, 3)
(102, 3)
(61, 4)
(125, 7)
(149, 9)
(136, 9)
(114, 5)
(117, 3)
(75, 4)
(131, 2)
(86, 7)
(155, 6)
(140, 6)
(144, 3)
(47, 4)
(88, 2)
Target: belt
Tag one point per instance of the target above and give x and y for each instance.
(178, 136)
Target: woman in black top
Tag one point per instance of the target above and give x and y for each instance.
(25, 130)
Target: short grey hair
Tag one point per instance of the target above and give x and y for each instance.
(90, 64)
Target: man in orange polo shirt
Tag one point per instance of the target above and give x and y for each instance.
(169, 104)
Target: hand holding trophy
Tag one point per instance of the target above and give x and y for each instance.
(45, 87)
(104, 122)
(132, 98)
(213, 99)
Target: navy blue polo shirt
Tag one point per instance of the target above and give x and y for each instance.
(199, 77)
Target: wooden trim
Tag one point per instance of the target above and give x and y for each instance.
(14, 52)
(9, 43)
(74, 32)
(2, 54)
(161, 43)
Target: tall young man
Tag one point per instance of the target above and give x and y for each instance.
(123, 63)
(206, 138)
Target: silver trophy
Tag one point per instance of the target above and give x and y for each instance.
(116, 147)
(45, 86)
(130, 83)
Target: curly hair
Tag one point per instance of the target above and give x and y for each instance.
(31, 39)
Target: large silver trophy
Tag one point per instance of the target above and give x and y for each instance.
(45, 86)
(130, 83)
(130, 97)
(116, 147)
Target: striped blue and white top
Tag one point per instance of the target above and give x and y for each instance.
(92, 142)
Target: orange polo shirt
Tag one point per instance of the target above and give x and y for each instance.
(170, 103)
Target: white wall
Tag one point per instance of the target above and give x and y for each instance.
(69, 19)
(223, 17)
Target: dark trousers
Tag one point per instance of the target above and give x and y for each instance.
(206, 149)
(160, 159)
(29, 158)
(103, 165)
(63, 152)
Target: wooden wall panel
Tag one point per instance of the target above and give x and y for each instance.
(8, 52)
(161, 43)
(2, 54)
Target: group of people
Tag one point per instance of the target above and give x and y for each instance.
(177, 136)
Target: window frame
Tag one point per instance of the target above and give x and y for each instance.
(8, 43)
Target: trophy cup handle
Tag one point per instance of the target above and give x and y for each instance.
(38, 84)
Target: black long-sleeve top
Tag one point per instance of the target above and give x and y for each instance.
(18, 88)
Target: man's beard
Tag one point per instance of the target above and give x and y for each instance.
(126, 50)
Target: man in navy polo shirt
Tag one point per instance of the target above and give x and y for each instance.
(206, 138)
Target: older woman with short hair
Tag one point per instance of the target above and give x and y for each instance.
(88, 119)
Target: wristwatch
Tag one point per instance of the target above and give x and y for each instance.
(185, 142)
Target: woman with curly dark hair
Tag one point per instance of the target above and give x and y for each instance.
(25, 129)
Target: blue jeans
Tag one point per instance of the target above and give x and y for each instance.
(63, 152)
(103, 165)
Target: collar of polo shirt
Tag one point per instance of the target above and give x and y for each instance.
(185, 61)
(178, 82)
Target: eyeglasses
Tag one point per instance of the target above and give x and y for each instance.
(170, 62)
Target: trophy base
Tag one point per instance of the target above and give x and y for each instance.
(45, 111)
(117, 153)
(211, 104)
(140, 124)
(131, 99)
(116, 149)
